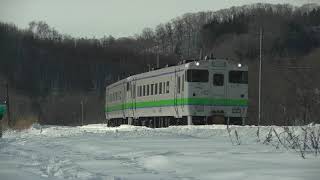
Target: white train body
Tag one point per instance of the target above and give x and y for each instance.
(192, 93)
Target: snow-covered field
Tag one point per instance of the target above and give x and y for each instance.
(186, 152)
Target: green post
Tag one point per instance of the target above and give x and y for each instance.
(3, 109)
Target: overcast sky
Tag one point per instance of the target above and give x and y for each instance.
(96, 18)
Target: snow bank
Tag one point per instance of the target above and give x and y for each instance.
(128, 152)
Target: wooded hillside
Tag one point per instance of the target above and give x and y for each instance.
(51, 74)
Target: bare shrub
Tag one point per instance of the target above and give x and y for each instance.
(237, 140)
(303, 140)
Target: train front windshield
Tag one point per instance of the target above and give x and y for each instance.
(197, 75)
(238, 77)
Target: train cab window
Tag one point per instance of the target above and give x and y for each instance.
(160, 88)
(156, 88)
(197, 75)
(238, 77)
(218, 79)
(148, 90)
(152, 87)
(144, 90)
(167, 90)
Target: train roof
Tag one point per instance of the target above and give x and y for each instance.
(180, 64)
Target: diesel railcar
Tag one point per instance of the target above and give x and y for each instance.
(213, 91)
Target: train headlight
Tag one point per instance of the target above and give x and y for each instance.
(239, 65)
(197, 63)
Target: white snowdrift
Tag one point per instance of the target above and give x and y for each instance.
(127, 152)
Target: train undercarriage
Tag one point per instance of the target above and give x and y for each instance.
(161, 122)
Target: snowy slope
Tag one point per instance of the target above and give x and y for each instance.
(187, 152)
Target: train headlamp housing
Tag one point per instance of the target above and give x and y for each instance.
(197, 63)
(239, 65)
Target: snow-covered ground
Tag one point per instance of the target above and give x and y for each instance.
(186, 152)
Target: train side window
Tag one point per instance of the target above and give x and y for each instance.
(160, 88)
(156, 88)
(178, 84)
(128, 86)
(137, 91)
(167, 91)
(140, 91)
(148, 90)
(144, 90)
(164, 88)
(182, 83)
(152, 87)
(218, 79)
(133, 91)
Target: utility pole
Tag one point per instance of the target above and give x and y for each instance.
(81, 103)
(158, 61)
(260, 78)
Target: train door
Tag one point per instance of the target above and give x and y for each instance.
(123, 100)
(133, 97)
(218, 96)
(129, 105)
(182, 97)
(107, 100)
(177, 92)
(218, 87)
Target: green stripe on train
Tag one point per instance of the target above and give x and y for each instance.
(184, 101)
